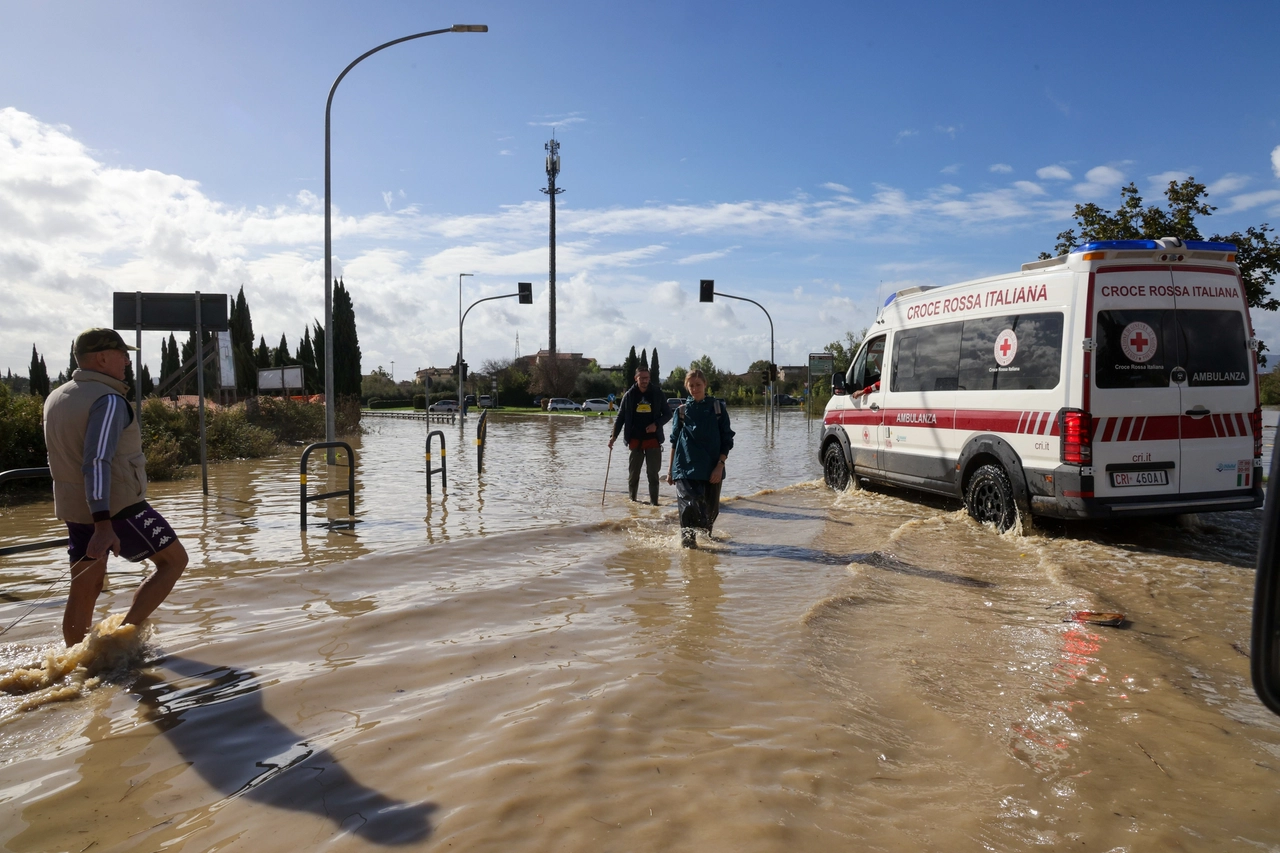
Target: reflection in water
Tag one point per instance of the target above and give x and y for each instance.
(220, 726)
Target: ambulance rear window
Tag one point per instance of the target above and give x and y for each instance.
(1216, 351)
(1140, 349)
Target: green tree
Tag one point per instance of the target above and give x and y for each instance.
(346, 345)
(280, 356)
(148, 387)
(241, 325)
(644, 360)
(675, 381)
(845, 349)
(629, 366)
(307, 358)
(715, 378)
(1258, 251)
(317, 339)
(38, 377)
(262, 355)
(654, 372)
(73, 365)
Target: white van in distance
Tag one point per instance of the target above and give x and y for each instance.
(1119, 380)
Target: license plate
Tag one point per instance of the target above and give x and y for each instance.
(1139, 478)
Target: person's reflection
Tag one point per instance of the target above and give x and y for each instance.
(697, 633)
(220, 726)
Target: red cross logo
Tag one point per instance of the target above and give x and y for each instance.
(1138, 342)
(1005, 347)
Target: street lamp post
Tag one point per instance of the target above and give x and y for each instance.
(457, 368)
(707, 293)
(524, 290)
(330, 418)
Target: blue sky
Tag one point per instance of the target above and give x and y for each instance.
(811, 156)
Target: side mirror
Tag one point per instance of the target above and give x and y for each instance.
(1264, 658)
(837, 384)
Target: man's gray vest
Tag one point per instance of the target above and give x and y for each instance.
(66, 419)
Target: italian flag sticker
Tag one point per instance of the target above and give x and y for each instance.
(1244, 468)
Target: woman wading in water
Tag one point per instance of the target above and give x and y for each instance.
(700, 443)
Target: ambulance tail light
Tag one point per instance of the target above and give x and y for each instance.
(1255, 424)
(1076, 428)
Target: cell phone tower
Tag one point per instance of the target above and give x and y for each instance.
(553, 169)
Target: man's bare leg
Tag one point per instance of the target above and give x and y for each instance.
(86, 585)
(155, 589)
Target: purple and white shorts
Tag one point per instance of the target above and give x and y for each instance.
(142, 531)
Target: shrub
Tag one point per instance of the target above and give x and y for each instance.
(419, 401)
(22, 443)
(290, 420)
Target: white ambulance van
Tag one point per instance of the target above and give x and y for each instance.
(1119, 380)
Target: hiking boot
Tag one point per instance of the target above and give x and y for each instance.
(688, 537)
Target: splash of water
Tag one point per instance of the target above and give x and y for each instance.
(68, 673)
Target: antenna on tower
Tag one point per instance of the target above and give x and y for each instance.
(553, 169)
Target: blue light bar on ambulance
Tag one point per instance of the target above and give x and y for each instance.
(1152, 245)
(908, 291)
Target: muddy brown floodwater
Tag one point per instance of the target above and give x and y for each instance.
(513, 667)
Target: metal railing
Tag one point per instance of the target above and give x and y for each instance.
(430, 417)
(444, 486)
(28, 474)
(349, 491)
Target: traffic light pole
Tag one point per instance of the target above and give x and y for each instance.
(707, 294)
(525, 295)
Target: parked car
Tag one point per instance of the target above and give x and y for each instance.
(673, 403)
(788, 400)
(597, 404)
(469, 400)
(486, 402)
(443, 406)
(562, 404)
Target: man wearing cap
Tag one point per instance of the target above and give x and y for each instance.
(643, 411)
(100, 484)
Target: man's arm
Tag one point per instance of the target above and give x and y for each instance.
(107, 419)
(621, 418)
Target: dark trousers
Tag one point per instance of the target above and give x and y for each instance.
(698, 502)
(652, 461)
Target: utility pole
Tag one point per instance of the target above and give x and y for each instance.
(553, 169)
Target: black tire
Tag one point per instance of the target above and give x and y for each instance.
(835, 468)
(990, 499)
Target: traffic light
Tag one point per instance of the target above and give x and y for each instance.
(463, 373)
(707, 290)
(764, 376)
(526, 292)
(773, 373)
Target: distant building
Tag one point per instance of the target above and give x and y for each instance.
(433, 374)
(526, 362)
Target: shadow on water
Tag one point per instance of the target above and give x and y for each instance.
(219, 725)
(875, 559)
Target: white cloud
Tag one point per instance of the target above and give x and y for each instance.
(1100, 180)
(1160, 181)
(1227, 184)
(707, 256)
(949, 130)
(1247, 201)
(505, 152)
(1029, 187)
(834, 187)
(950, 170)
(1053, 173)
(1275, 160)
(905, 134)
(551, 121)
(1001, 167)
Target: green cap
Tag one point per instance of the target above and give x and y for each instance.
(98, 340)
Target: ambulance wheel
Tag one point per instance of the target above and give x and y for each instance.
(835, 468)
(989, 498)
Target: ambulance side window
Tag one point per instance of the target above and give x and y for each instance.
(1214, 350)
(1022, 352)
(927, 359)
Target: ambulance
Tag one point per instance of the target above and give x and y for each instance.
(1116, 381)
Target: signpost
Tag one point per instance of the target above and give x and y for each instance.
(820, 364)
(280, 378)
(174, 312)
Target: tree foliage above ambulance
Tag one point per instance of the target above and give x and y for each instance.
(1257, 250)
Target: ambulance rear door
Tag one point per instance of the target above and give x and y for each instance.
(1135, 404)
(1215, 376)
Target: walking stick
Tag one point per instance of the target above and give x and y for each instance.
(606, 476)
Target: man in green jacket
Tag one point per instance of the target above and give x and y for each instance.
(700, 443)
(100, 484)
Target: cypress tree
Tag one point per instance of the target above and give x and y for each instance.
(307, 358)
(241, 325)
(38, 376)
(346, 345)
(148, 387)
(280, 356)
(262, 356)
(167, 369)
(128, 378)
(653, 366)
(318, 344)
(629, 367)
(74, 365)
(644, 360)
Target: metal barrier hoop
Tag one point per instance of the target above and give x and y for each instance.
(444, 486)
(349, 491)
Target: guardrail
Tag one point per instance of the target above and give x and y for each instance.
(349, 491)
(28, 474)
(430, 417)
(444, 486)
(482, 429)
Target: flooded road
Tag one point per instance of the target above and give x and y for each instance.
(514, 667)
